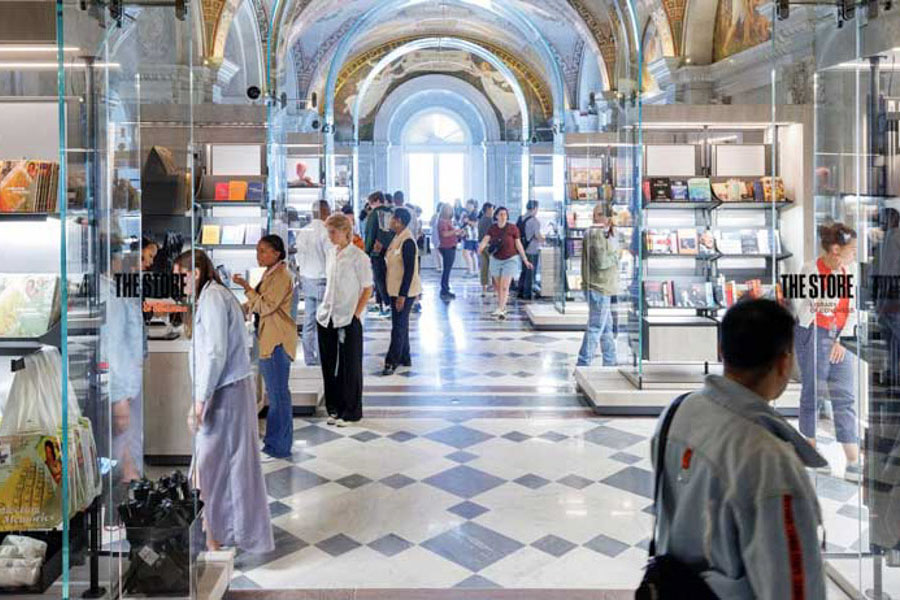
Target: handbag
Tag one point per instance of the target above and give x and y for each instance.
(666, 577)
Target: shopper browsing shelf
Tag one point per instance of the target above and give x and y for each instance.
(270, 304)
(736, 505)
(312, 245)
(350, 283)
(530, 231)
(449, 236)
(826, 366)
(403, 287)
(600, 282)
(485, 221)
(505, 248)
(223, 414)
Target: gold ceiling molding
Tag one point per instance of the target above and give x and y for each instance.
(217, 18)
(675, 11)
(603, 33)
(520, 69)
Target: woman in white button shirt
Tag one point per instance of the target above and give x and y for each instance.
(347, 291)
(223, 415)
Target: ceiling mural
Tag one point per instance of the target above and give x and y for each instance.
(675, 11)
(359, 66)
(739, 27)
(457, 63)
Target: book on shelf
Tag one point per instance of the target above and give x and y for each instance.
(730, 292)
(706, 243)
(653, 294)
(694, 294)
(588, 194)
(749, 242)
(210, 235)
(661, 241)
(679, 190)
(621, 216)
(720, 191)
(645, 190)
(728, 242)
(221, 191)
(256, 191)
(253, 234)
(29, 304)
(660, 189)
(762, 189)
(699, 189)
(687, 241)
(237, 190)
(28, 186)
(233, 234)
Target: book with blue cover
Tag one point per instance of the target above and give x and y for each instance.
(255, 191)
(699, 189)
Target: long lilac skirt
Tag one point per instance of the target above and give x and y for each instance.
(231, 481)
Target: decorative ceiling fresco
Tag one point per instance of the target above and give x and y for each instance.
(356, 69)
(457, 63)
(739, 27)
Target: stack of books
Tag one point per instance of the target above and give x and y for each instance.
(679, 294)
(239, 191)
(29, 186)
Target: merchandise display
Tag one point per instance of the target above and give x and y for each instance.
(29, 304)
(28, 186)
(160, 519)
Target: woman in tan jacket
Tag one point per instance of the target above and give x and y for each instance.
(270, 303)
(403, 287)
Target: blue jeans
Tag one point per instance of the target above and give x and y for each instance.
(314, 291)
(276, 371)
(819, 377)
(448, 256)
(599, 330)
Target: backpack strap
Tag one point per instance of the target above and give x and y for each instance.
(660, 465)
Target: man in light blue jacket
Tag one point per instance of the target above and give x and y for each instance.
(736, 501)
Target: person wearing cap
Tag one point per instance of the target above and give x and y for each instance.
(736, 503)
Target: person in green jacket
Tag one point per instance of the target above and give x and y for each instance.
(600, 282)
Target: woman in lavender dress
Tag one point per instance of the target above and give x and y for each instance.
(223, 415)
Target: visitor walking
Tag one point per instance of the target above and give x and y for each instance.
(827, 367)
(435, 236)
(349, 287)
(223, 415)
(485, 221)
(530, 230)
(312, 245)
(469, 224)
(600, 282)
(403, 287)
(378, 237)
(270, 304)
(505, 248)
(449, 238)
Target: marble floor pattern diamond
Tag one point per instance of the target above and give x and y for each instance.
(479, 467)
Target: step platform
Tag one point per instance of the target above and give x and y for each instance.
(615, 391)
(545, 316)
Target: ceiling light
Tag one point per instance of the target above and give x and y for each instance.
(36, 49)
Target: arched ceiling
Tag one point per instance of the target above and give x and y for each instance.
(358, 66)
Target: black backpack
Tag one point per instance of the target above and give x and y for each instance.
(520, 225)
(383, 231)
(666, 577)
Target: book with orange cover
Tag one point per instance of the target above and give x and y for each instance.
(237, 190)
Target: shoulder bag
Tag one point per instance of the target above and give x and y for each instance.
(666, 577)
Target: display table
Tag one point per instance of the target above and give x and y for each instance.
(545, 316)
(611, 391)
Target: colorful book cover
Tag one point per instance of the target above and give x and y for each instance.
(255, 191)
(679, 190)
(645, 188)
(721, 192)
(237, 190)
(210, 235)
(222, 191)
(660, 189)
(661, 241)
(653, 294)
(706, 243)
(693, 294)
(687, 241)
(699, 189)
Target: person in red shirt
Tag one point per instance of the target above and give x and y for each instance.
(827, 367)
(505, 248)
(449, 237)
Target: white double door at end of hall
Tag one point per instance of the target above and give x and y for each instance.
(434, 177)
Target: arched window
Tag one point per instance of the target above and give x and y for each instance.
(434, 128)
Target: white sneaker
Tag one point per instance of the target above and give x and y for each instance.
(266, 458)
(331, 420)
(496, 313)
(342, 423)
(502, 316)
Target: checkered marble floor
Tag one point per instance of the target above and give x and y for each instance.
(439, 503)
(477, 468)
